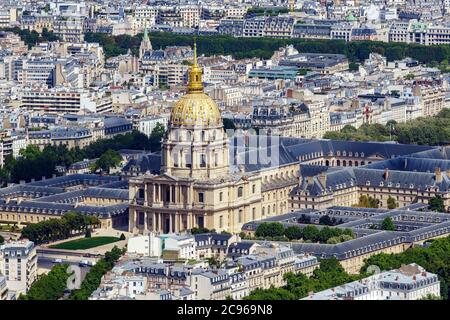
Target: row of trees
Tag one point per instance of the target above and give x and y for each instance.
(94, 276)
(356, 51)
(70, 224)
(31, 38)
(276, 231)
(432, 131)
(436, 203)
(434, 258)
(50, 286)
(35, 164)
(329, 275)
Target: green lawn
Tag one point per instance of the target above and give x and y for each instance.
(85, 243)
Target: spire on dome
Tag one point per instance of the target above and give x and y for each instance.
(195, 74)
(146, 38)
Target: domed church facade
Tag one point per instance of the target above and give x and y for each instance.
(196, 187)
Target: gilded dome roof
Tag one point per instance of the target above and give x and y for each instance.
(195, 107)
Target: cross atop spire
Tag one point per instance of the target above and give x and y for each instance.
(195, 53)
(195, 74)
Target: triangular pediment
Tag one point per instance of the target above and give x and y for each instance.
(165, 177)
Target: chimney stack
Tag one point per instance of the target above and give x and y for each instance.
(323, 179)
(386, 174)
(438, 175)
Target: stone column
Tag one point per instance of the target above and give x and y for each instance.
(145, 222)
(145, 195)
(131, 220)
(160, 222)
(188, 221)
(170, 223)
(154, 222)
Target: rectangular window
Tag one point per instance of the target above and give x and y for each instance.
(176, 160)
(188, 160)
(202, 161)
(201, 197)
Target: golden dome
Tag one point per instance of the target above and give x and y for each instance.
(195, 108)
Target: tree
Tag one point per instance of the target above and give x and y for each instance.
(434, 258)
(431, 297)
(200, 230)
(2, 240)
(109, 159)
(293, 233)
(228, 124)
(326, 220)
(304, 219)
(310, 233)
(330, 274)
(368, 202)
(387, 224)
(94, 276)
(436, 204)
(49, 286)
(391, 204)
(30, 152)
(156, 136)
(352, 66)
(88, 233)
(270, 229)
(57, 229)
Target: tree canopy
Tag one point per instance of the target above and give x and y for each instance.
(330, 274)
(94, 276)
(276, 231)
(70, 224)
(432, 131)
(356, 51)
(49, 286)
(391, 204)
(109, 159)
(155, 137)
(367, 202)
(433, 258)
(35, 164)
(387, 224)
(436, 204)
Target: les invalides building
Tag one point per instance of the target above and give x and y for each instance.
(195, 187)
